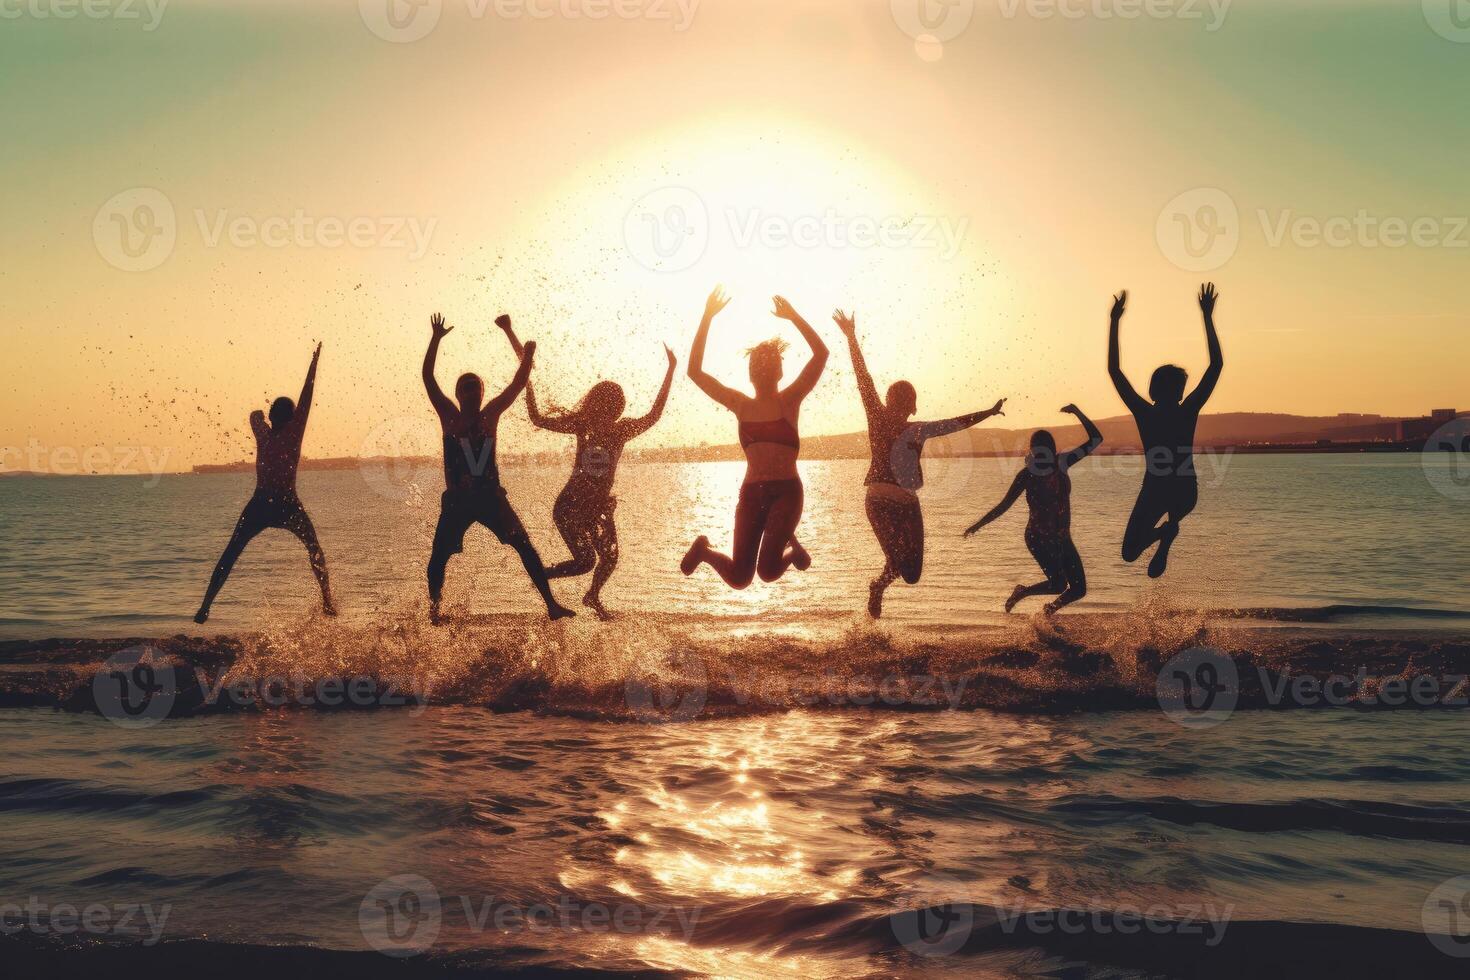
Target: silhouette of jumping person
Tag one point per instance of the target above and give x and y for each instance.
(1048, 489)
(1166, 428)
(584, 510)
(771, 497)
(473, 494)
(275, 504)
(896, 474)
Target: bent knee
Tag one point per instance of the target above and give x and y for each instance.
(769, 572)
(911, 574)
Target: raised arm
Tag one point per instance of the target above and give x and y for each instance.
(1131, 398)
(636, 427)
(503, 322)
(497, 405)
(258, 426)
(1094, 439)
(1018, 486)
(440, 401)
(1206, 387)
(943, 427)
(706, 383)
(807, 379)
(867, 391)
(303, 404)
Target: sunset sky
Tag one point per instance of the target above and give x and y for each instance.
(975, 195)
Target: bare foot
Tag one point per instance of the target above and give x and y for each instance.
(595, 604)
(434, 616)
(875, 598)
(1160, 563)
(1050, 609)
(1016, 596)
(329, 608)
(201, 615)
(694, 555)
(800, 560)
(556, 611)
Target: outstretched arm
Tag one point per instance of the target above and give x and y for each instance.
(440, 401)
(1206, 387)
(943, 427)
(1018, 486)
(1130, 397)
(636, 427)
(807, 379)
(867, 391)
(728, 397)
(503, 322)
(507, 398)
(1094, 439)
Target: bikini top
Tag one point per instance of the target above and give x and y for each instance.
(779, 431)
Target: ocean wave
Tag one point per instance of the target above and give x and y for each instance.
(684, 668)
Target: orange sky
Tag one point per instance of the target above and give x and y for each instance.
(975, 197)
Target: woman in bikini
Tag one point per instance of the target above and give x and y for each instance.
(771, 496)
(895, 475)
(584, 511)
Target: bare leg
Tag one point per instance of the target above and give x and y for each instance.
(738, 570)
(877, 587)
(775, 554)
(513, 532)
(606, 543)
(1076, 579)
(1049, 587)
(242, 536)
(300, 525)
(573, 523)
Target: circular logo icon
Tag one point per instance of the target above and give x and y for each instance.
(400, 916)
(1199, 687)
(136, 688)
(1450, 19)
(1446, 917)
(136, 230)
(674, 691)
(1446, 459)
(667, 230)
(1199, 230)
(400, 21)
(932, 22)
(939, 920)
(399, 457)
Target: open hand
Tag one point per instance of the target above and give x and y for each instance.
(783, 309)
(437, 322)
(1119, 302)
(503, 321)
(998, 408)
(845, 322)
(717, 301)
(969, 531)
(1207, 297)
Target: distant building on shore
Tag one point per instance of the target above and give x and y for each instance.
(1452, 428)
